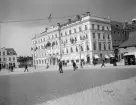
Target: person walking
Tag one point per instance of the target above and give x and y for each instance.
(12, 68)
(26, 68)
(74, 66)
(103, 63)
(60, 67)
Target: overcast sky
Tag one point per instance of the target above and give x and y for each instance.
(18, 35)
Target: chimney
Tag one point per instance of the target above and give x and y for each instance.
(69, 21)
(46, 29)
(88, 13)
(58, 24)
(78, 17)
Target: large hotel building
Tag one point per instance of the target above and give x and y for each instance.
(85, 38)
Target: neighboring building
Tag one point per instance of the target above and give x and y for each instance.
(120, 33)
(8, 56)
(129, 46)
(86, 37)
(23, 61)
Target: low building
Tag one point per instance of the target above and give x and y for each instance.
(8, 56)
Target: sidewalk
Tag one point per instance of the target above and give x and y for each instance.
(55, 68)
(122, 92)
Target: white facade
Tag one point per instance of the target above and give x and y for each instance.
(92, 39)
(6, 58)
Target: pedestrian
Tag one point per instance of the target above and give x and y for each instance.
(12, 68)
(26, 68)
(81, 64)
(103, 63)
(74, 66)
(60, 67)
(35, 66)
(47, 66)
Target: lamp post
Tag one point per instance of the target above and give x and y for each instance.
(59, 29)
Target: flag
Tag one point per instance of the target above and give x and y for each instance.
(50, 18)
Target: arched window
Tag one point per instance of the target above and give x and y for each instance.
(71, 50)
(87, 47)
(76, 49)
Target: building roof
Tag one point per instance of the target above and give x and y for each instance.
(10, 51)
(131, 42)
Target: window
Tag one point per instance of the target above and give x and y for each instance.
(56, 35)
(45, 61)
(94, 46)
(75, 39)
(9, 59)
(71, 50)
(0, 59)
(67, 50)
(86, 36)
(3, 53)
(108, 36)
(76, 49)
(86, 27)
(41, 40)
(0, 53)
(104, 46)
(74, 30)
(102, 27)
(100, 46)
(87, 47)
(52, 37)
(4, 59)
(98, 27)
(80, 29)
(107, 28)
(80, 37)
(66, 33)
(109, 46)
(69, 31)
(42, 62)
(82, 48)
(99, 37)
(92, 26)
(61, 34)
(103, 36)
(94, 35)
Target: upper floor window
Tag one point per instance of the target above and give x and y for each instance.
(109, 46)
(94, 35)
(9, 59)
(107, 28)
(0, 59)
(41, 40)
(86, 27)
(69, 31)
(3, 53)
(86, 36)
(103, 36)
(108, 36)
(82, 48)
(56, 35)
(80, 37)
(94, 46)
(100, 46)
(4, 59)
(80, 29)
(66, 33)
(52, 37)
(74, 30)
(87, 47)
(102, 27)
(98, 27)
(104, 46)
(99, 37)
(75, 39)
(71, 50)
(92, 26)
(0, 53)
(76, 49)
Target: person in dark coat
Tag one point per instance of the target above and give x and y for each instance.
(60, 67)
(26, 68)
(12, 68)
(74, 66)
(103, 63)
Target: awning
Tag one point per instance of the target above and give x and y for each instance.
(132, 53)
(111, 55)
(96, 56)
(106, 56)
(77, 57)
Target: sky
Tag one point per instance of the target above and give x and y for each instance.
(18, 35)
